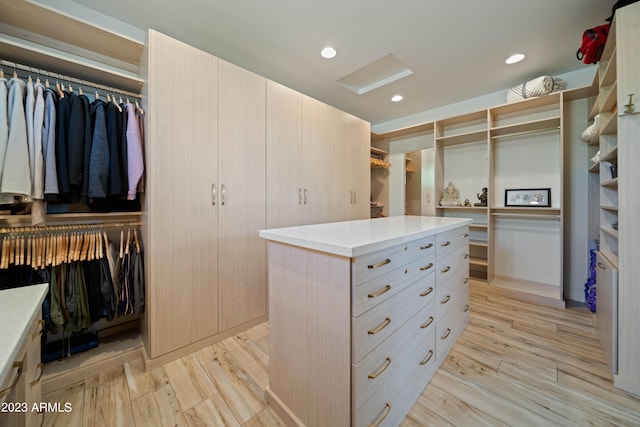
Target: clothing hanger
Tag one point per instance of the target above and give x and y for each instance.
(121, 243)
(136, 240)
(140, 110)
(1, 73)
(126, 248)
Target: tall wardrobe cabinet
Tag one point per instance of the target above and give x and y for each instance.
(205, 198)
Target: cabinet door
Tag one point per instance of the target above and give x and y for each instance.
(358, 149)
(607, 310)
(181, 223)
(285, 186)
(241, 162)
(317, 140)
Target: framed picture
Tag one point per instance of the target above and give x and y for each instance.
(530, 197)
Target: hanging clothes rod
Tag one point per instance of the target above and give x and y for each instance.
(68, 227)
(15, 66)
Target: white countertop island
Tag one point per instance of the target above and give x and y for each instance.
(18, 309)
(361, 314)
(356, 238)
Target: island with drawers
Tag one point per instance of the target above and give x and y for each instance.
(361, 314)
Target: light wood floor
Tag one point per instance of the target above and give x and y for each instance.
(516, 364)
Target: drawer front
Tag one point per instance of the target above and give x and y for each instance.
(451, 269)
(374, 326)
(450, 326)
(34, 368)
(451, 240)
(369, 266)
(383, 287)
(390, 357)
(390, 402)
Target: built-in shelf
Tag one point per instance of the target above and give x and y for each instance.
(609, 208)
(478, 261)
(479, 243)
(72, 218)
(612, 183)
(610, 231)
(477, 225)
(464, 208)
(521, 128)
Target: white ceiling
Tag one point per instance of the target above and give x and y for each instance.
(456, 49)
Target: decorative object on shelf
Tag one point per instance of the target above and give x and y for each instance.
(483, 197)
(450, 196)
(590, 131)
(542, 85)
(530, 197)
(614, 171)
(467, 203)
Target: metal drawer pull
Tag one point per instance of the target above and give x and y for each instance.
(380, 264)
(427, 323)
(446, 269)
(602, 266)
(384, 415)
(6, 391)
(213, 194)
(299, 196)
(466, 256)
(427, 292)
(447, 243)
(37, 380)
(465, 235)
(466, 280)
(380, 370)
(41, 325)
(426, 267)
(380, 292)
(466, 308)
(380, 327)
(446, 299)
(446, 334)
(426, 359)
(430, 245)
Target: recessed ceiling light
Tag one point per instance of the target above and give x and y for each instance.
(328, 52)
(397, 98)
(516, 57)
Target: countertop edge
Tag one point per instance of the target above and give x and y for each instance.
(359, 249)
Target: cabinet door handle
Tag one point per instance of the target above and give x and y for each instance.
(465, 256)
(305, 196)
(223, 192)
(426, 324)
(355, 197)
(445, 270)
(446, 334)
(426, 267)
(213, 194)
(379, 292)
(466, 308)
(426, 359)
(380, 327)
(446, 299)
(447, 243)
(465, 281)
(381, 369)
(379, 264)
(299, 196)
(602, 266)
(18, 366)
(430, 245)
(427, 292)
(465, 235)
(377, 422)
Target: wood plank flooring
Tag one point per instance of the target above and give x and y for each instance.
(516, 364)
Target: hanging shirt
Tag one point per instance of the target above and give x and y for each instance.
(16, 173)
(49, 145)
(135, 160)
(86, 106)
(62, 169)
(37, 158)
(29, 105)
(99, 159)
(4, 133)
(114, 135)
(37, 173)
